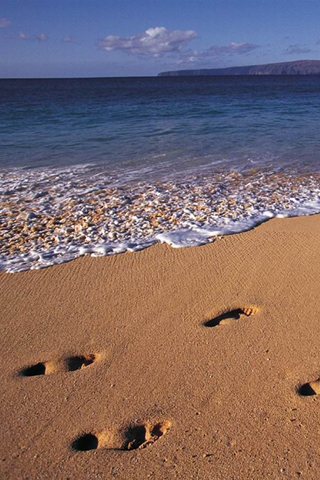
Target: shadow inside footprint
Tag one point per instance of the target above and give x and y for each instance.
(89, 441)
(136, 437)
(230, 316)
(34, 370)
(140, 436)
(78, 362)
(309, 389)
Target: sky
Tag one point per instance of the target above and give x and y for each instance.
(110, 38)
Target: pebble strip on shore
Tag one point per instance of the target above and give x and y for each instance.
(48, 217)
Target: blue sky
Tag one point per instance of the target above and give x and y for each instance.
(66, 38)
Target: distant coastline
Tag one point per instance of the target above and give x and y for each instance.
(299, 67)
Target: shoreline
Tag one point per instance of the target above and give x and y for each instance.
(218, 401)
(56, 217)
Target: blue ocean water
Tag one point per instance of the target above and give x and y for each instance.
(158, 126)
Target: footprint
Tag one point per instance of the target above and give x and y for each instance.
(89, 441)
(141, 436)
(309, 389)
(69, 364)
(79, 362)
(41, 368)
(229, 317)
(135, 437)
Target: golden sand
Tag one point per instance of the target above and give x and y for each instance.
(195, 363)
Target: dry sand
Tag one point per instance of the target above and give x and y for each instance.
(227, 392)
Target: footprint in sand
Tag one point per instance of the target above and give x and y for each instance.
(231, 316)
(69, 364)
(309, 389)
(134, 437)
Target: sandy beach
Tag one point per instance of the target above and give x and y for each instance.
(166, 363)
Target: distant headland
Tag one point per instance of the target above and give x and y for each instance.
(299, 67)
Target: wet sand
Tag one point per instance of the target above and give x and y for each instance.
(166, 363)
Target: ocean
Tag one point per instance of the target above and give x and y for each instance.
(101, 166)
(160, 125)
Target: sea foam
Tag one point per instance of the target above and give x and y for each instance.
(51, 216)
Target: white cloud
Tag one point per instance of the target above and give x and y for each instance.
(217, 52)
(4, 22)
(69, 39)
(159, 42)
(23, 36)
(239, 48)
(154, 42)
(297, 49)
(42, 37)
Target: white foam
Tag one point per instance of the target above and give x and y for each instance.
(50, 190)
(180, 238)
